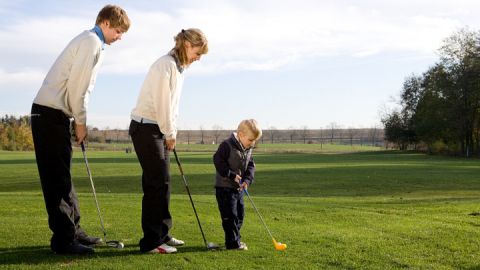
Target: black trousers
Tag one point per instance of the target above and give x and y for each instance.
(232, 211)
(154, 158)
(53, 152)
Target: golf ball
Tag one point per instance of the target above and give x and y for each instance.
(120, 245)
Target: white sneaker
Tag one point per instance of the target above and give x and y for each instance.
(175, 242)
(242, 246)
(163, 249)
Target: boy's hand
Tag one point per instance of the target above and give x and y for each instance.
(237, 179)
(243, 186)
(80, 133)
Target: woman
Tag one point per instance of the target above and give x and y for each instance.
(153, 131)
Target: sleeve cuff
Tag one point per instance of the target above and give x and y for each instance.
(231, 174)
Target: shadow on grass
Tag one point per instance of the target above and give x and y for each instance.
(309, 175)
(43, 255)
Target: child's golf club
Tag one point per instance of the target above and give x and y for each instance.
(111, 243)
(277, 245)
(209, 245)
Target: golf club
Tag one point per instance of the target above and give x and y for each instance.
(277, 245)
(111, 243)
(209, 245)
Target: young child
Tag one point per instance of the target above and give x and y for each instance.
(235, 171)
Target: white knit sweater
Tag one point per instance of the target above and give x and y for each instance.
(71, 79)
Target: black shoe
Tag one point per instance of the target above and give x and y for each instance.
(89, 240)
(73, 249)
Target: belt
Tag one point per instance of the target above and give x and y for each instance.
(142, 120)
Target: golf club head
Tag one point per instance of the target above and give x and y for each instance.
(279, 246)
(115, 244)
(212, 246)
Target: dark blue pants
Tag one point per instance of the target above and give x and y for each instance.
(154, 158)
(53, 152)
(232, 212)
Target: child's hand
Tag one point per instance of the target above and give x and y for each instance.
(243, 186)
(237, 179)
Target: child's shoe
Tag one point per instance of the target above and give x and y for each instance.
(242, 246)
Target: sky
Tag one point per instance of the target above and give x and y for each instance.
(286, 63)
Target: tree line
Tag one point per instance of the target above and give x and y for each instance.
(440, 109)
(15, 133)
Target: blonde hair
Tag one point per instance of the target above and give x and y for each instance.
(115, 15)
(195, 37)
(250, 126)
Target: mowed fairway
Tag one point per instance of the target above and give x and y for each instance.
(365, 210)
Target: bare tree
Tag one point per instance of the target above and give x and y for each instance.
(217, 130)
(304, 134)
(105, 134)
(372, 134)
(293, 133)
(202, 133)
(187, 134)
(321, 138)
(352, 132)
(332, 128)
(272, 133)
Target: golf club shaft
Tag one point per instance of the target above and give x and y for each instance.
(190, 196)
(258, 213)
(94, 193)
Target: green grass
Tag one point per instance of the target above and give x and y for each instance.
(366, 210)
(265, 148)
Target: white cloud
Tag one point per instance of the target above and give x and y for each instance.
(256, 35)
(21, 80)
(40, 35)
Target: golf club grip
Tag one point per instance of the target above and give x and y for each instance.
(83, 146)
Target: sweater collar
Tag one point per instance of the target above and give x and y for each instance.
(180, 68)
(100, 35)
(237, 141)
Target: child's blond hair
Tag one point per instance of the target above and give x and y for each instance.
(250, 126)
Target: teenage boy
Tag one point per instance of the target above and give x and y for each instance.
(61, 102)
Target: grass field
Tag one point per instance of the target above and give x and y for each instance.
(345, 210)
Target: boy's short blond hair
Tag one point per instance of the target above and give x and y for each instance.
(250, 126)
(115, 15)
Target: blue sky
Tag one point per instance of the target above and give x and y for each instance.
(288, 64)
